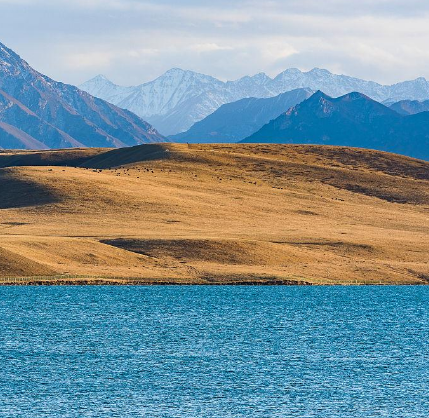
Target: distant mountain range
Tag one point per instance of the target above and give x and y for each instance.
(235, 121)
(352, 120)
(410, 107)
(174, 102)
(37, 112)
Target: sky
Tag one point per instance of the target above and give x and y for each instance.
(134, 41)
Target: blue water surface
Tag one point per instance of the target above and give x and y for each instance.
(325, 352)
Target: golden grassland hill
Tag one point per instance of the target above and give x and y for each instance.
(215, 214)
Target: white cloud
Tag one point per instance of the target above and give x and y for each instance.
(89, 60)
(209, 47)
(132, 41)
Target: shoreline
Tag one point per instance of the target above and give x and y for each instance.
(125, 282)
(146, 283)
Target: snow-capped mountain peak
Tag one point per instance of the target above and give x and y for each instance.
(179, 98)
(319, 72)
(100, 78)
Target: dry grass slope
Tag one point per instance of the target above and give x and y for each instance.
(214, 214)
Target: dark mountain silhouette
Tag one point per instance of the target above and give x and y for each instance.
(37, 112)
(352, 120)
(235, 121)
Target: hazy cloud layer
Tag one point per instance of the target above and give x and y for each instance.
(132, 41)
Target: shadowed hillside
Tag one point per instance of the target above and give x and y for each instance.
(175, 213)
(235, 121)
(353, 120)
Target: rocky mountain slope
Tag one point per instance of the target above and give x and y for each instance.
(178, 99)
(235, 121)
(352, 120)
(37, 112)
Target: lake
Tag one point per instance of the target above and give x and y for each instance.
(325, 352)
